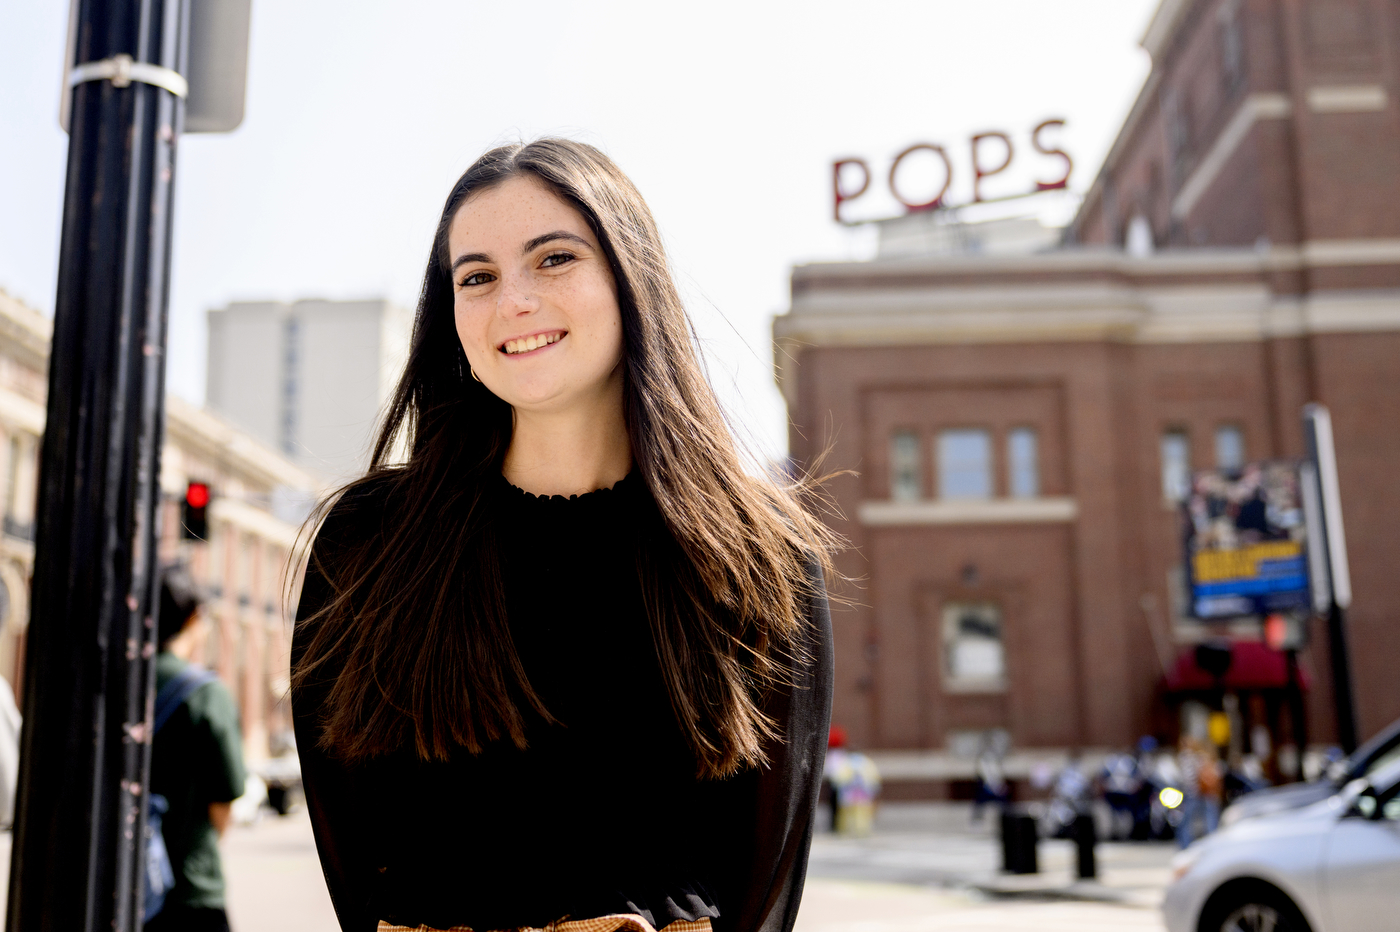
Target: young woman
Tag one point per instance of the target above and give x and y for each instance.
(567, 665)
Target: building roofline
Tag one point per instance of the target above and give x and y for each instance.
(1163, 25)
(1161, 30)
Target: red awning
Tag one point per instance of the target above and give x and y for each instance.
(1253, 665)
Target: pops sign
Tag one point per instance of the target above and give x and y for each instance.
(850, 178)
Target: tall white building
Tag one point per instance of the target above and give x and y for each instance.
(309, 379)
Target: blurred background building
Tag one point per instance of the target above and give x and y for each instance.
(308, 379)
(244, 564)
(1024, 411)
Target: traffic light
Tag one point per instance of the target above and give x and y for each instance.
(195, 519)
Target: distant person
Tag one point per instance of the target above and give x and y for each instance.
(992, 785)
(1204, 781)
(196, 762)
(561, 659)
(855, 785)
(1122, 783)
(835, 750)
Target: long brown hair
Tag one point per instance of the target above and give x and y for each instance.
(413, 646)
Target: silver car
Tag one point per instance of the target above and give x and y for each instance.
(1333, 866)
(1365, 760)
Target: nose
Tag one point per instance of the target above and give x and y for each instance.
(516, 297)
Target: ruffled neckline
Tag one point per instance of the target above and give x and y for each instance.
(601, 496)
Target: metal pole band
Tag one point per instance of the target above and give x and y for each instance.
(122, 70)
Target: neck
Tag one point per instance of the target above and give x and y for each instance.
(570, 452)
(188, 644)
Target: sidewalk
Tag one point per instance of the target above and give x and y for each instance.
(936, 846)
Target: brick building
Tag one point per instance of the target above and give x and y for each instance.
(1022, 426)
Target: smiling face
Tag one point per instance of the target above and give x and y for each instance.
(534, 299)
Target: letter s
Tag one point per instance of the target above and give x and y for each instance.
(1069, 163)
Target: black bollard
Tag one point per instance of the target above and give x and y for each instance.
(1018, 843)
(1084, 840)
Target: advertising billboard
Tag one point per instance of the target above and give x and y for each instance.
(1246, 542)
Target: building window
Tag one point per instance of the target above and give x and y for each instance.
(964, 464)
(1024, 462)
(1229, 447)
(1178, 131)
(974, 657)
(1176, 466)
(906, 484)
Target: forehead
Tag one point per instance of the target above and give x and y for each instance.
(512, 212)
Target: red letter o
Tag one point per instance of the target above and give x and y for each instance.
(947, 180)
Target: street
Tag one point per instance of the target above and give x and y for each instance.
(924, 868)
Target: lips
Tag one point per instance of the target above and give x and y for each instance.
(532, 342)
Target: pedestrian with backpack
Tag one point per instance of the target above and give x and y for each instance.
(196, 771)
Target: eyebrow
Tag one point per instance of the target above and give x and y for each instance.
(565, 235)
(529, 247)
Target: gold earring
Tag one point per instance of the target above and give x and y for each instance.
(474, 375)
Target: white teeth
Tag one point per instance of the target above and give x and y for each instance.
(526, 344)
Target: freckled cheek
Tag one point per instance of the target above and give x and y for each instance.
(471, 329)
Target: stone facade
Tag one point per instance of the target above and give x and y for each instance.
(1264, 286)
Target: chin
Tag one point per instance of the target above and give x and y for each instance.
(536, 396)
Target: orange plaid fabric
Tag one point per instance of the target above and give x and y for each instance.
(618, 922)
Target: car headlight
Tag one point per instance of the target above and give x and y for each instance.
(1183, 861)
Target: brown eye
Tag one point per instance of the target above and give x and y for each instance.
(476, 278)
(557, 259)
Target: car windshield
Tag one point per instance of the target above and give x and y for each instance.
(1385, 759)
(1384, 781)
(1366, 760)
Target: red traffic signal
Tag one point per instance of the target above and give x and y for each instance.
(194, 518)
(197, 494)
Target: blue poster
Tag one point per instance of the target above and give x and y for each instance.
(1246, 545)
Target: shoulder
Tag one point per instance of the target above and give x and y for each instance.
(359, 512)
(213, 703)
(168, 666)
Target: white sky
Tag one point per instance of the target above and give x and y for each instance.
(727, 115)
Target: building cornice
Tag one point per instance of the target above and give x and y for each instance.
(25, 333)
(967, 511)
(1039, 315)
(1075, 264)
(1078, 296)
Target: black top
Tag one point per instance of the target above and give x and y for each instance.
(603, 812)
